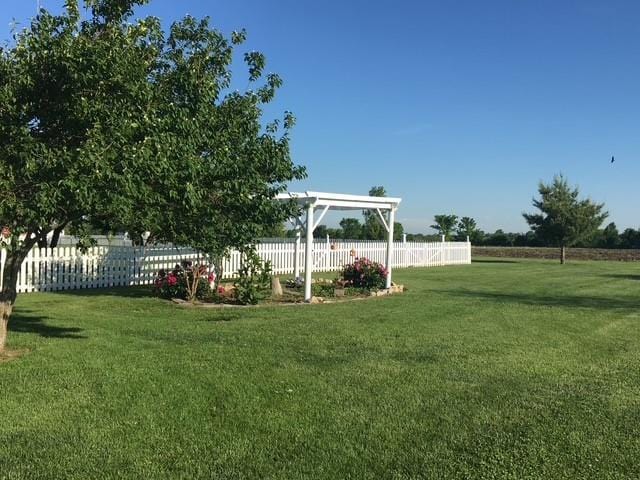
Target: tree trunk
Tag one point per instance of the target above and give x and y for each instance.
(5, 313)
(9, 289)
(42, 241)
(56, 235)
(217, 266)
(563, 254)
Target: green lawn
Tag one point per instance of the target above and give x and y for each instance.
(523, 369)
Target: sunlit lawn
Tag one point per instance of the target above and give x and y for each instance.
(515, 370)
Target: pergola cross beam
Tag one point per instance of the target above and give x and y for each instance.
(326, 209)
(382, 219)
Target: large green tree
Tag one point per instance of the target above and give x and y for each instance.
(564, 219)
(398, 231)
(351, 229)
(113, 122)
(609, 237)
(373, 228)
(445, 224)
(468, 228)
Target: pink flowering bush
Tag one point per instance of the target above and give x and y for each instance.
(185, 281)
(365, 274)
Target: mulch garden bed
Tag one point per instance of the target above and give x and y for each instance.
(293, 297)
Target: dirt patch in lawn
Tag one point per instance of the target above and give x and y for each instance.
(9, 355)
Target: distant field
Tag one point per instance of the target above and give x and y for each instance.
(554, 253)
(502, 369)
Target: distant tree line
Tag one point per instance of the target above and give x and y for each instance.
(608, 237)
(563, 219)
(353, 229)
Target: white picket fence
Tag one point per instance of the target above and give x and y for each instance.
(66, 268)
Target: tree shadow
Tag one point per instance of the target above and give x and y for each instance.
(24, 321)
(623, 276)
(225, 316)
(125, 292)
(492, 260)
(566, 301)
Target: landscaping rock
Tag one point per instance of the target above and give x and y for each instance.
(316, 300)
(229, 287)
(379, 293)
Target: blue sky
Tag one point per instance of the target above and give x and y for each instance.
(457, 107)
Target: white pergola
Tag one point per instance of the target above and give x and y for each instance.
(310, 201)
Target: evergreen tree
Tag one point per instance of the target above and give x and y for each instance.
(564, 218)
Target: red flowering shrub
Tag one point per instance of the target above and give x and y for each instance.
(365, 274)
(185, 281)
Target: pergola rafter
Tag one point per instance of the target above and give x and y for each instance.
(309, 201)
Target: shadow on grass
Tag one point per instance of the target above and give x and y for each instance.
(492, 260)
(23, 321)
(124, 292)
(221, 315)
(623, 276)
(566, 301)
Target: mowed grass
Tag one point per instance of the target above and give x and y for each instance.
(500, 369)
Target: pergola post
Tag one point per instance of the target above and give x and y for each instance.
(392, 218)
(296, 256)
(308, 253)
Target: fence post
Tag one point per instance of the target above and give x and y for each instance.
(327, 255)
(404, 250)
(296, 255)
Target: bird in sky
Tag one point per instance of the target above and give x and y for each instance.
(613, 159)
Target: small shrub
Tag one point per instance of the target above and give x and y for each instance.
(363, 274)
(254, 279)
(323, 290)
(185, 281)
(354, 292)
